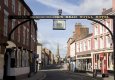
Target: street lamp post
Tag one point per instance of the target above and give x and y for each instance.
(114, 43)
(60, 11)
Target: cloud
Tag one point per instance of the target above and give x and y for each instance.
(85, 8)
(51, 43)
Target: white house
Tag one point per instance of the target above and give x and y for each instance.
(84, 53)
(39, 52)
(72, 56)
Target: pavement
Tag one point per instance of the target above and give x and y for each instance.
(110, 77)
(99, 76)
(40, 75)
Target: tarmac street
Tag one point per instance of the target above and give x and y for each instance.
(58, 72)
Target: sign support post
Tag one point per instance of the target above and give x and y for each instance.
(114, 44)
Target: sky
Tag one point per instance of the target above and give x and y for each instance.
(49, 37)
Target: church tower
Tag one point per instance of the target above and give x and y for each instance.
(58, 54)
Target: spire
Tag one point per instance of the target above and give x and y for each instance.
(58, 55)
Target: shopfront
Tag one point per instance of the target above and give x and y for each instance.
(84, 62)
(72, 64)
(103, 62)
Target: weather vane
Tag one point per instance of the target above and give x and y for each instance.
(60, 11)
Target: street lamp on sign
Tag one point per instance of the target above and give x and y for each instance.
(60, 11)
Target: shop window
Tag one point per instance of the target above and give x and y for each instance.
(21, 52)
(18, 58)
(24, 35)
(95, 58)
(19, 62)
(13, 5)
(6, 2)
(100, 64)
(108, 60)
(23, 62)
(13, 59)
(27, 40)
(27, 58)
(112, 56)
(19, 8)
(24, 58)
(13, 25)
(19, 34)
(5, 23)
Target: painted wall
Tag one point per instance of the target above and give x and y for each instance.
(72, 50)
(19, 71)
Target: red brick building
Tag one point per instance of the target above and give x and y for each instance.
(24, 37)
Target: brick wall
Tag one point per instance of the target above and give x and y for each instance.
(80, 31)
(15, 40)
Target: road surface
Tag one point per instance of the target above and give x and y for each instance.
(56, 72)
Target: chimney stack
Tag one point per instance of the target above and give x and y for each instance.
(113, 5)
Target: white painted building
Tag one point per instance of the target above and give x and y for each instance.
(72, 56)
(39, 52)
(84, 53)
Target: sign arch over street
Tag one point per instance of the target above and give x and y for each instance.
(89, 17)
(93, 18)
(37, 17)
(62, 17)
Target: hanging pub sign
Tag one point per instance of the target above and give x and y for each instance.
(59, 24)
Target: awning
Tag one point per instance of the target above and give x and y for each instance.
(10, 44)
